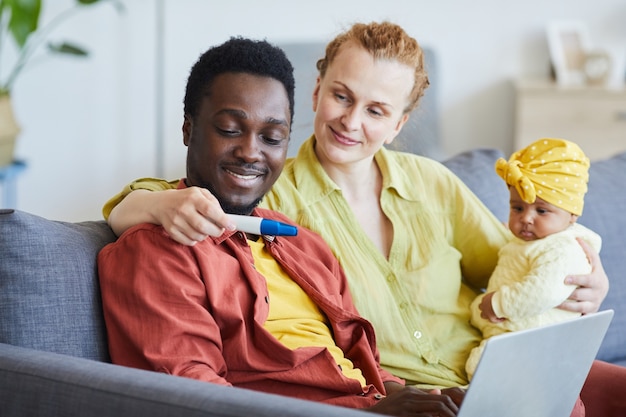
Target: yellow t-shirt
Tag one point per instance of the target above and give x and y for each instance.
(418, 299)
(294, 319)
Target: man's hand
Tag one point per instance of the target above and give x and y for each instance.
(456, 394)
(410, 401)
(592, 288)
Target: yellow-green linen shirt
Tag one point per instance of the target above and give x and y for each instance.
(416, 299)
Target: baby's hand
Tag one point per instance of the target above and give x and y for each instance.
(486, 309)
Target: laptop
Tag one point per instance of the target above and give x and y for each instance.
(537, 372)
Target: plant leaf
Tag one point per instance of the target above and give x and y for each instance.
(24, 18)
(67, 48)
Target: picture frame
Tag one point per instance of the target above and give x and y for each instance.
(569, 44)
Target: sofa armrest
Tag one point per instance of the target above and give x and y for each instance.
(37, 383)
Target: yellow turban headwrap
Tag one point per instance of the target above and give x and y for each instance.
(554, 170)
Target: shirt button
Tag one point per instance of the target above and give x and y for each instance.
(379, 396)
(417, 334)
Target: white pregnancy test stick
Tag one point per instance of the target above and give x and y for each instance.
(261, 226)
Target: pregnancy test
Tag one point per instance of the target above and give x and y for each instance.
(261, 226)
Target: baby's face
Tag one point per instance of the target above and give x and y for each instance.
(537, 220)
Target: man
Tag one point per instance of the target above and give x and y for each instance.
(267, 313)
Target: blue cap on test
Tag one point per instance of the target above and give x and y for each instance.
(274, 228)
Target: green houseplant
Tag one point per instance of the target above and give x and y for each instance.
(19, 22)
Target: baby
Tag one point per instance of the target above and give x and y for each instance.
(547, 181)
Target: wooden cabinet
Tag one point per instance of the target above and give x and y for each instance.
(593, 117)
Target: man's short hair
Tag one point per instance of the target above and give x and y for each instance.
(257, 57)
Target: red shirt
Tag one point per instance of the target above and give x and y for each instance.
(198, 311)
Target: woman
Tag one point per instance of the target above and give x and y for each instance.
(412, 238)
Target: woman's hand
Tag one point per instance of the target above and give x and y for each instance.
(592, 288)
(188, 215)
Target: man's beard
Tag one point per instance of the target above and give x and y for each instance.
(245, 210)
(232, 209)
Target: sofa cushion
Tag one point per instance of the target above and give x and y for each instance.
(605, 205)
(49, 294)
(476, 169)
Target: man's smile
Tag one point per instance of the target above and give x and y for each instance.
(243, 176)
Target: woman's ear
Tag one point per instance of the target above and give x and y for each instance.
(398, 128)
(316, 93)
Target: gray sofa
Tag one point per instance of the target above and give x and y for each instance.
(53, 351)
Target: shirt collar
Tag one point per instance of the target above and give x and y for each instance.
(314, 183)
(310, 178)
(396, 175)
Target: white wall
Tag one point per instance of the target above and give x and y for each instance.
(90, 126)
